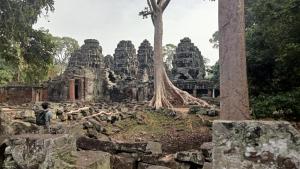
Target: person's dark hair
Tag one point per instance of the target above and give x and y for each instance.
(45, 105)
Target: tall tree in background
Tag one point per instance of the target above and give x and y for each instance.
(165, 93)
(65, 46)
(29, 50)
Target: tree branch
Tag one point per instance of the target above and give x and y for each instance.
(150, 6)
(165, 4)
(154, 5)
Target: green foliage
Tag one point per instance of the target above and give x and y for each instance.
(273, 45)
(273, 50)
(6, 72)
(64, 47)
(215, 40)
(28, 50)
(215, 74)
(279, 106)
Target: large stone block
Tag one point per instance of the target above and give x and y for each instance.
(113, 147)
(255, 145)
(93, 160)
(39, 151)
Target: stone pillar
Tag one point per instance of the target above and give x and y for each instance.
(81, 94)
(233, 76)
(214, 93)
(72, 90)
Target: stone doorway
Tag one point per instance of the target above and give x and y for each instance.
(77, 89)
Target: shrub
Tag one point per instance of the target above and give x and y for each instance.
(284, 105)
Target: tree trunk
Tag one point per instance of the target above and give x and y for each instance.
(165, 93)
(233, 75)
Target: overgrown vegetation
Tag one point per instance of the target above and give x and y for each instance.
(29, 51)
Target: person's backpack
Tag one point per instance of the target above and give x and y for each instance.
(41, 118)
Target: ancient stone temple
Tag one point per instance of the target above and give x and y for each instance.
(127, 76)
(108, 62)
(82, 78)
(188, 63)
(189, 70)
(145, 62)
(125, 60)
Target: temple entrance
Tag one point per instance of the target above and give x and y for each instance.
(77, 89)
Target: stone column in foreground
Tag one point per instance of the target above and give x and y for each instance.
(233, 75)
(72, 90)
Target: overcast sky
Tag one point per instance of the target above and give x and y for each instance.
(110, 21)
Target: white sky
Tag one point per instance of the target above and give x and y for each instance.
(110, 21)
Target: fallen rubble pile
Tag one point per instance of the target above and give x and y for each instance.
(82, 138)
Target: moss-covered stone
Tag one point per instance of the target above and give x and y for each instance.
(255, 145)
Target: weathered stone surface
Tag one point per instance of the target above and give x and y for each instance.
(255, 145)
(188, 63)
(149, 166)
(38, 151)
(125, 60)
(85, 143)
(109, 62)
(206, 149)
(93, 160)
(207, 166)
(20, 127)
(145, 62)
(83, 77)
(121, 162)
(113, 147)
(167, 161)
(193, 156)
(5, 128)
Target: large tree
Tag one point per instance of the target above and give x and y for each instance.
(65, 46)
(28, 50)
(233, 74)
(165, 93)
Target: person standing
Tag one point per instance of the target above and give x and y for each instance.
(43, 118)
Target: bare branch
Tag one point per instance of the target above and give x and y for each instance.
(165, 4)
(150, 6)
(155, 7)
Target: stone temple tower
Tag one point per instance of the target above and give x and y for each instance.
(82, 79)
(188, 63)
(145, 62)
(125, 60)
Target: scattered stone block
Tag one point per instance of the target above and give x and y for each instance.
(193, 156)
(39, 151)
(85, 143)
(121, 162)
(93, 160)
(149, 166)
(207, 166)
(206, 149)
(255, 145)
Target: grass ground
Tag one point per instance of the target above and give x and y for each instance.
(180, 133)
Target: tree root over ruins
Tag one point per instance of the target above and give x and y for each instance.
(169, 96)
(165, 93)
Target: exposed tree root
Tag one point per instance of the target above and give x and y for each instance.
(169, 96)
